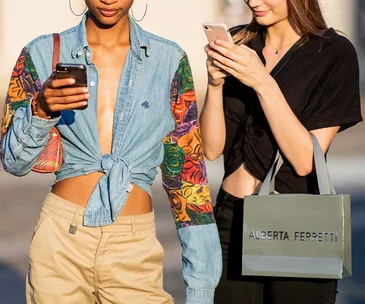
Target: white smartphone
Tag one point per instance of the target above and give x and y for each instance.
(216, 30)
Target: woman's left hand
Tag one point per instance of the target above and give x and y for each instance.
(241, 62)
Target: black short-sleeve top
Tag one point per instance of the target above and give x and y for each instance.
(319, 78)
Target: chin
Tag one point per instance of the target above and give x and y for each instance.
(270, 20)
(266, 21)
(108, 21)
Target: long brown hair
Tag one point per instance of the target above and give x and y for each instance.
(305, 16)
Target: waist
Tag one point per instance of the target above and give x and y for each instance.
(117, 170)
(72, 212)
(224, 196)
(79, 189)
(241, 182)
(103, 185)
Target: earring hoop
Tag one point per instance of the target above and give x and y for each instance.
(73, 12)
(144, 14)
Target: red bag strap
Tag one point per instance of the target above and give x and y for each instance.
(56, 50)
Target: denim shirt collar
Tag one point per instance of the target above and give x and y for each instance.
(140, 43)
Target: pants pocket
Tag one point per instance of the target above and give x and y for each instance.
(218, 208)
(43, 215)
(158, 250)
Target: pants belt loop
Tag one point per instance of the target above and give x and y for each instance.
(73, 226)
(133, 226)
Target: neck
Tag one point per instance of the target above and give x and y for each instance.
(281, 33)
(108, 36)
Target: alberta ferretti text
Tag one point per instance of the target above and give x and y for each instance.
(302, 236)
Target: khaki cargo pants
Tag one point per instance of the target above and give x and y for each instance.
(120, 263)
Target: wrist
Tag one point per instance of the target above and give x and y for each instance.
(199, 296)
(37, 109)
(266, 86)
(212, 87)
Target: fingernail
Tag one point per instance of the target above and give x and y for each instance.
(71, 81)
(85, 90)
(218, 41)
(212, 44)
(87, 95)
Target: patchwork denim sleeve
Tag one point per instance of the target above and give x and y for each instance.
(185, 181)
(23, 136)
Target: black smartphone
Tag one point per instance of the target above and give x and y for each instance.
(75, 71)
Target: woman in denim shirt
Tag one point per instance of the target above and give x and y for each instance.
(95, 238)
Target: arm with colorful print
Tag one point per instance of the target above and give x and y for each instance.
(23, 136)
(185, 181)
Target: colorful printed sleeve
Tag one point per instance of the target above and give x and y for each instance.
(23, 136)
(185, 181)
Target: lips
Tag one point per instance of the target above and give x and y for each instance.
(260, 13)
(108, 12)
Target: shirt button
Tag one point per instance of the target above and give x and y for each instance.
(92, 83)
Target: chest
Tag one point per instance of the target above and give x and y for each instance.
(272, 58)
(109, 64)
(130, 105)
(300, 79)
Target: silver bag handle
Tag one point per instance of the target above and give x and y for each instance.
(323, 178)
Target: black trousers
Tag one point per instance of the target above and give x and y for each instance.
(234, 288)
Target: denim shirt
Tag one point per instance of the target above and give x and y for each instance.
(155, 124)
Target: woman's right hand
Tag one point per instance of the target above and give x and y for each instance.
(216, 75)
(57, 95)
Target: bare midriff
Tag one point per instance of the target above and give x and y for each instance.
(78, 190)
(241, 183)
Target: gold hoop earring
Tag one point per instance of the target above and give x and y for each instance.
(73, 12)
(144, 14)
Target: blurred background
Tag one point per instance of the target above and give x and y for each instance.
(21, 198)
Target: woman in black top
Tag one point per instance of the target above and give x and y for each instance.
(286, 74)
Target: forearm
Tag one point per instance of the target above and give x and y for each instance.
(202, 262)
(24, 141)
(212, 124)
(292, 137)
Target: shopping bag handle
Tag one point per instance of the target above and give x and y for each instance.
(323, 178)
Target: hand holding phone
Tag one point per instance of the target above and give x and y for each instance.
(65, 89)
(74, 71)
(215, 31)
